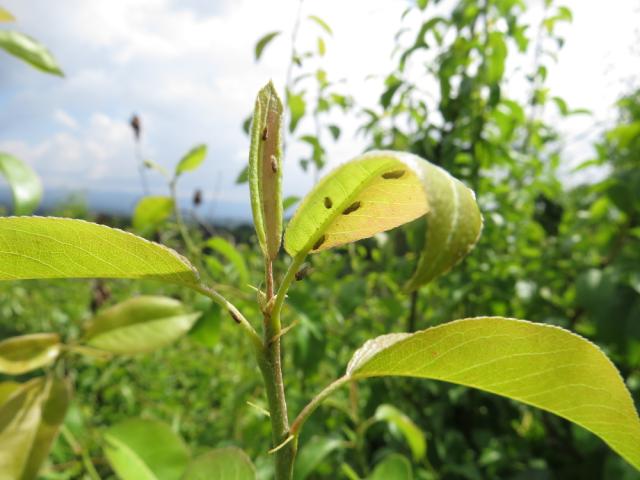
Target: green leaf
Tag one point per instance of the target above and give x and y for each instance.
(393, 467)
(324, 25)
(540, 365)
(381, 190)
(145, 450)
(5, 16)
(206, 331)
(141, 324)
(22, 354)
(151, 211)
(322, 49)
(243, 176)
(313, 453)
(297, 107)
(54, 409)
(24, 182)
(29, 50)
(29, 421)
(265, 170)
(6, 390)
(263, 42)
(335, 131)
(410, 431)
(289, 202)
(495, 57)
(231, 253)
(192, 159)
(46, 247)
(228, 463)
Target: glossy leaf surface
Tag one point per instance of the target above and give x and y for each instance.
(381, 190)
(228, 463)
(541, 365)
(45, 247)
(29, 50)
(192, 159)
(265, 170)
(22, 354)
(138, 325)
(145, 450)
(24, 182)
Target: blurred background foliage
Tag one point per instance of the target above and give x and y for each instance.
(548, 253)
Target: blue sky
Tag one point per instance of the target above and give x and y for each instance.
(187, 68)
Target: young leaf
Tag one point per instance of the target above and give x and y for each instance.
(321, 23)
(151, 211)
(24, 182)
(29, 50)
(192, 159)
(263, 42)
(393, 467)
(228, 463)
(297, 107)
(381, 190)
(265, 170)
(22, 354)
(5, 16)
(141, 324)
(313, 453)
(231, 253)
(145, 450)
(45, 247)
(410, 431)
(540, 365)
(54, 409)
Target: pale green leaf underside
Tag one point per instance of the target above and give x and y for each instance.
(151, 211)
(381, 190)
(228, 463)
(541, 365)
(29, 50)
(44, 247)
(24, 182)
(138, 325)
(22, 354)
(145, 450)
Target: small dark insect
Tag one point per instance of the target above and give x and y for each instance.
(136, 125)
(393, 174)
(235, 316)
(304, 272)
(274, 164)
(327, 202)
(197, 197)
(352, 208)
(319, 242)
(265, 134)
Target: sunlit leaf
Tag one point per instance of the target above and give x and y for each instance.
(541, 365)
(381, 190)
(265, 170)
(5, 16)
(297, 107)
(24, 182)
(29, 50)
(45, 247)
(231, 253)
(263, 42)
(313, 453)
(54, 408)
(289, 202)
(192, 159)
(141, 324)
(22, 354)
(324, 25)
(228, 463)
(410, 431)
(151, 211)
(393, 467)
(145, 450)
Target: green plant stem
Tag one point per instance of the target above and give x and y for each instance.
(184, 233)
(79, 450)
(294, 266)
(315, 403)
(270, 363)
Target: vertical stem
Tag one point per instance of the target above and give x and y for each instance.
(184, 233)
(271, 368)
